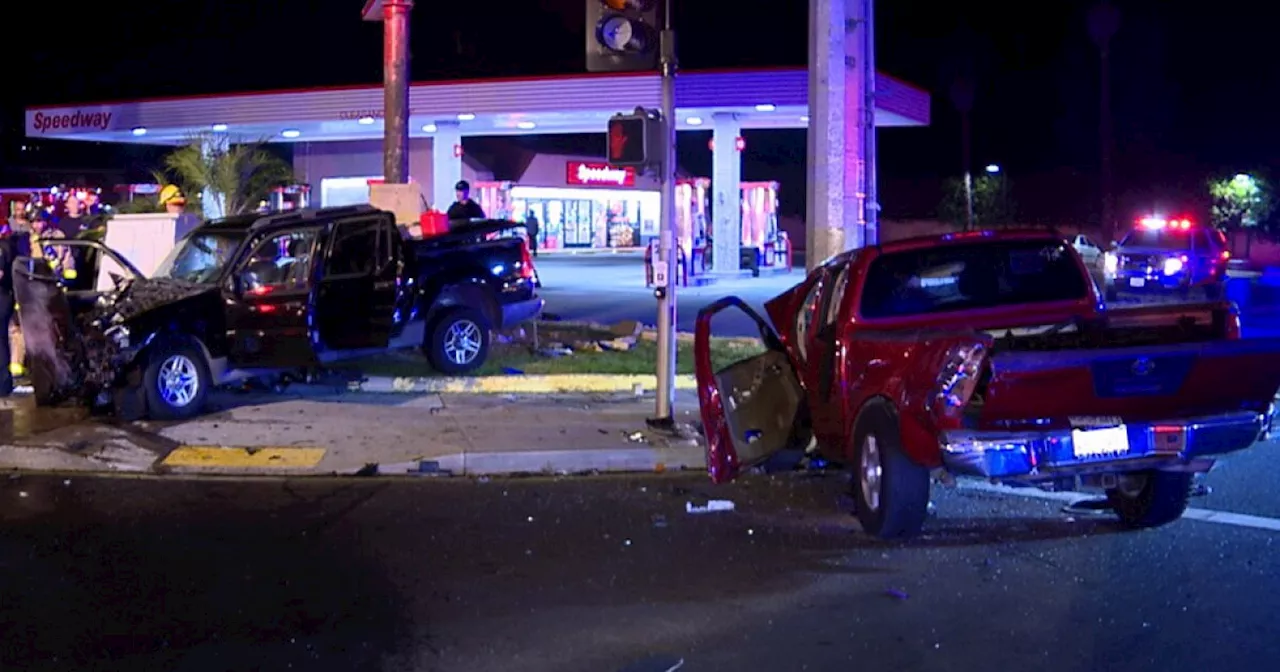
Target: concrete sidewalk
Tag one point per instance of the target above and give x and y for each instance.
(371, 434)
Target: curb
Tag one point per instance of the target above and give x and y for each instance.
(521, 384)
(618, 460)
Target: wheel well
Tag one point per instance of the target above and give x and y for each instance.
(876, 402)
(169, 339)
(466, 295)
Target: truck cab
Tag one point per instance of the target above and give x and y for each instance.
(1160, 255)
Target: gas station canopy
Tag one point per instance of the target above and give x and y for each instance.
(759, 99)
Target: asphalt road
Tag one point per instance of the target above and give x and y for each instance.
(605, 574)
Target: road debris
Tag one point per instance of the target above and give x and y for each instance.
(712, 506)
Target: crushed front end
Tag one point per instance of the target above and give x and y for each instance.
(78, 348)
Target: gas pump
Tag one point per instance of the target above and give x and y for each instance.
(293, 197)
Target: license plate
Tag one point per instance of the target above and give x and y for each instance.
(1100, 442)
(1137, 282)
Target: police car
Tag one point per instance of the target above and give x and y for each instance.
(1171, 256)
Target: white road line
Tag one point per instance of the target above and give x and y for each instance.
(1202, 515)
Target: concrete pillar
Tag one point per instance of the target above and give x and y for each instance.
(395, 68)
(726, 193)
(835, 218)
(213, 205)
(446, 163)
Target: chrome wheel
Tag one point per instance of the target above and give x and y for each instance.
(462, 342)
(870, 472)
(178, 381)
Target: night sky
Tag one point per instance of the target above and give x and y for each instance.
(1191, 86)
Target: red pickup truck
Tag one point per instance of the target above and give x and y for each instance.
(988, 355)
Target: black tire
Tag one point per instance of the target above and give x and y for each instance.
(164, 402)
(1160, 499)
(902, 503)
(1111, 294)
(452, 324)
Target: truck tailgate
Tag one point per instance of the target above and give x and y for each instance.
(1154, 382)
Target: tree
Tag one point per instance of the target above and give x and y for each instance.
(1241, 203)
(237, 176)
(992, 205)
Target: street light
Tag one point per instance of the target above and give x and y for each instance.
(992, 169)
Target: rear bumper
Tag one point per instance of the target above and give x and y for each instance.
(521, 311)
(1037, 455)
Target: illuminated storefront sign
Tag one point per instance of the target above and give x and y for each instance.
(598, 174)
(80, 119)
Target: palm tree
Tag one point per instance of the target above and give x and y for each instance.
(236, 176)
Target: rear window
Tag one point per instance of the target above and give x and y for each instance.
(965, 277)
(1163, 239)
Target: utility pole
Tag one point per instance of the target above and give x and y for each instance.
(394, 15)
(621, 36)
(666, 391)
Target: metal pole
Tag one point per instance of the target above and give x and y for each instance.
(395, 67)
(663, 415)
(872, 236)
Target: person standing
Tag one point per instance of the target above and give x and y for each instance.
(464, 209)
(532, 228)
(19, 246)
(6, 312)
(73, 222)
(176, 204)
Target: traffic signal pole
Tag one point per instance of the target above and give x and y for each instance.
(666, 295)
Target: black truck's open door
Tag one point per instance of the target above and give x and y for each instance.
(55, 354)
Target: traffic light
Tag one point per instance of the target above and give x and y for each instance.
(635, 139)
(622, 35)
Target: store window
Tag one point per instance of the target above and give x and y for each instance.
(337, 191)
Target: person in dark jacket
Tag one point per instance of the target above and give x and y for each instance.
(6, 312)
(464, 208)
(532, 227)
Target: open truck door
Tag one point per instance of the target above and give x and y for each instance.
(750, 409)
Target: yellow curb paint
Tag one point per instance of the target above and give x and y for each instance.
(536, 384)
(286, 457)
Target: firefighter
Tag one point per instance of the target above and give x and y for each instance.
(174, 203)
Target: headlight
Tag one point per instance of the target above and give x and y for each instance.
(1172, 266)
(1110, 262)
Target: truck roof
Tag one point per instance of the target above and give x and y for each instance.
(258, 222)
(919, 242)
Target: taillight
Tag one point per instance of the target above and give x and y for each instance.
(526, 261)
(958, 379)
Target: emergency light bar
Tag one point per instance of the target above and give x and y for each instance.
(1161, 223)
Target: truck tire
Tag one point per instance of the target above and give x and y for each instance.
(890, 491)
(458, 341)
(176, 381)
(1151, 498)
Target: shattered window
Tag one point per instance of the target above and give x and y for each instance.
(972, 276)
(808, 311)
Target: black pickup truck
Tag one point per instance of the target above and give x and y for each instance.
(256, 295)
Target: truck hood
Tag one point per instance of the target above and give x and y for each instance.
(138, 298)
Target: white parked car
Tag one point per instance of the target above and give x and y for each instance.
(1089, 250)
